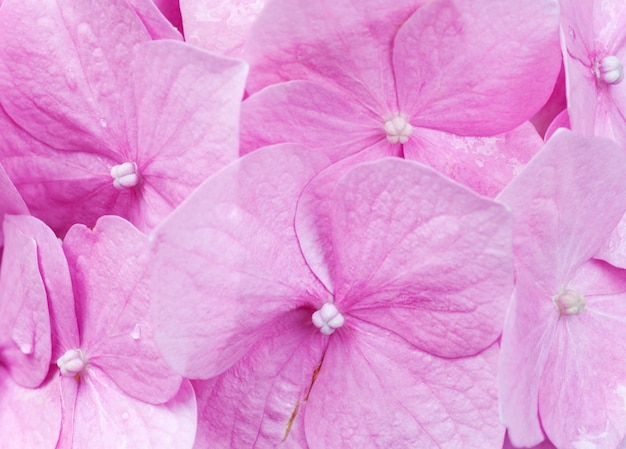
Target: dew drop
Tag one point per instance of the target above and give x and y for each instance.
(125, 416)
(136, 332)
(572, 33)
(103, 123)
(26, 348)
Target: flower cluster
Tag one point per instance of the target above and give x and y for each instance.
(312, 224)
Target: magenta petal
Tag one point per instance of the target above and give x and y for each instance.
(29, 418)
(421, 256)
(229, 256)
(155, 20)
(484, 164)
(10, 200)
(374, 390)
(261, 400)
(108, 265)
(219, 26)
(25, 342)
(477, 68)
(103, 414)
(310, 114)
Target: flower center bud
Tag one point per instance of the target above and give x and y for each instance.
(328, 319)
(125, 175)
(72, 363)
(398, 129)
(570, 302)
(610, 70)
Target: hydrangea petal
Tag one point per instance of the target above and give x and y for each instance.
(109, 273)
(261, 400)
(153, 15)
(472, 68)
(103, 410)
(219, 26)
(375, 390)
(185, 103)
(420, 255)
(11, 201)
(18, 428)
(340, 42)
(485, 164)
(233, 247)
(311, 114)
(25, 342)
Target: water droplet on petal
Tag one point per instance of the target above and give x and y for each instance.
(103, 122)
(125, 416)
(136, 332)
(26, 348)
(572, 33)
(328, 319)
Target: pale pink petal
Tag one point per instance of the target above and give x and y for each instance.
(485, 164)
(614, 248)
(219, 26)
(25, 341)
(376, 391)
(108, 265)
(420, 255)
(29, 418)
(339, 42)
(11, 201)
(477, 68)
(314, 207)
(308, 113)
(55, 274)
(161, 18)
(103, 414)
(261, 400)
(68, 61)
(183, 106)
(229, 256)
(565, 204)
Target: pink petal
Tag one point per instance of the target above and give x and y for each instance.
(219, 26)
(229, 256)
(108, 265)
(560, 121)
(185, 103)
(342, 43)
(29, 418)
(25, 343)
(583, 390)
(420, 255)
(544, 445)
(261, 401)
(485, 164)
(11, 201)
(163, 22)
(374, 390)
(556, 104)
(311, 114)
(477, 68)
(103, 414)
(614, 248)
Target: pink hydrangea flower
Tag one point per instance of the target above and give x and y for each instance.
(107, 381)
(562, 345)
(403, 77)
(343, 350)
(104, 122)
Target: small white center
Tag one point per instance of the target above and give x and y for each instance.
(72, 363)
(610, 70)
(398, 129)
(570, 302)
(125, 175)
(328, 319)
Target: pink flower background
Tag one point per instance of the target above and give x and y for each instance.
(312, 224)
